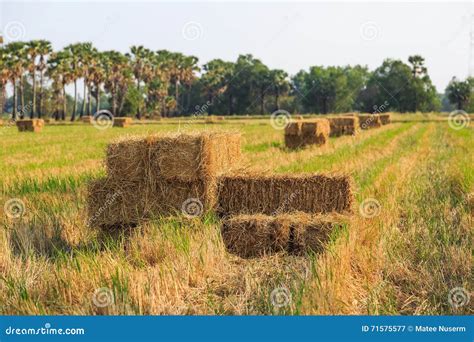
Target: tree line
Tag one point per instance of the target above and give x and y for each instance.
(143, 82)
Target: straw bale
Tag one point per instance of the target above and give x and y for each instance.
(87, 119)
(271, 194)
(254, 235)
(112, 203)
(369, 121)
(257, 235)
(343, 126)
(122, 122)
(385, 118)
(185, 157)
(293, 128)
(30, 125)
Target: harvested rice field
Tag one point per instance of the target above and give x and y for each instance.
(393, 232)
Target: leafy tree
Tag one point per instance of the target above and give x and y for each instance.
(279, 85)
(459, 92)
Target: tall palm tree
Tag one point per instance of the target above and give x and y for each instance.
(4, 77)
(96, 76)
(75, 72)
(59, 69)
(44, 49)
(15, 64)
(141, 59)
(117, 77)
(85, 51)
(280, 85)
(32, 50)
(214, 79)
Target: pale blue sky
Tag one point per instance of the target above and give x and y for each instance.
(286, 35)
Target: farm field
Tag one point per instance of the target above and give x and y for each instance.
(403, 259)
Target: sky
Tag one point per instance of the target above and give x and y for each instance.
(286, 35)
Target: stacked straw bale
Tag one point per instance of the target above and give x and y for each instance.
(257, 235)
(385, 118)
(343, 126)
(302, 133)
(87, 119)
(30, 125)
(256, 194)
(122, 122)
(155, 175)
(369, 121)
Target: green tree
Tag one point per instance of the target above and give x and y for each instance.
(459, 92)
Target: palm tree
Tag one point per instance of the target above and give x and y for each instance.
(280, 84)
(85, 56)
(141, 67)
(59, 69)
(75, 71)
(44, 49)
(214, 79)
(96, 76)
(4, 77)
(15, 65)
(32, 50)
(117, 78)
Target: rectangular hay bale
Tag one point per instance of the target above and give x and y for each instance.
(385, 118)
(293, 128)
(343, 126)
(369, 121)
(86, 119)
(184, 157)
(30, 125)
(315, 132)
(122, 122)
(247, 194)
(258, 235)
(113, 203)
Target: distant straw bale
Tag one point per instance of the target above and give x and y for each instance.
(30, 125)
(369, 121)
(122, 122)
(343, 126)
(385, 118)
(87, 119)
(302, 133)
